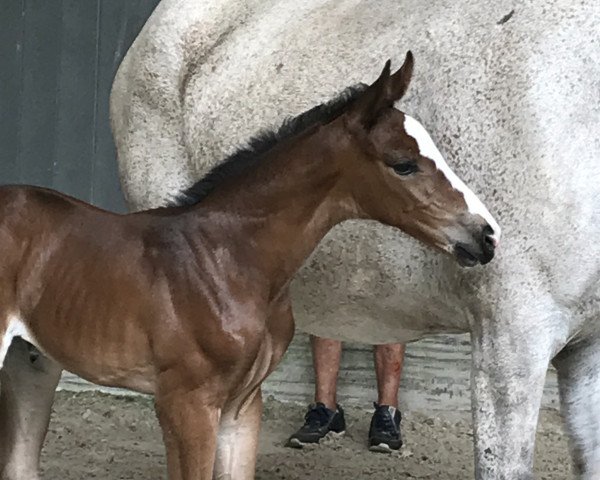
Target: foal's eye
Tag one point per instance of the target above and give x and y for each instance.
(405, 168)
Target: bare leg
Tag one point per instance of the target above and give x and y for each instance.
(579, 386)
(190, 430)
(389, 360)
(27, 385)
(238, 443)
(326, 361)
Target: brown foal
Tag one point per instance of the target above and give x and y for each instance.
(190, 302)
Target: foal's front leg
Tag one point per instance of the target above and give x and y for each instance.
(238, 442)
(508, 374)
(190, 426)
(27, 385)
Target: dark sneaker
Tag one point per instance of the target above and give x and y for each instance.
(318, 422)
(384, 434)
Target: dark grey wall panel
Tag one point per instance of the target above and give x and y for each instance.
(76, 98)
(11, 44)
(39, 114)
(58, 59)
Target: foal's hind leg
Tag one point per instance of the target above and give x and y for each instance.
(579, 387)
(27, 385)
(238, 442)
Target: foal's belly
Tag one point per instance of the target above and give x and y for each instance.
(136, 376)
(141, 379)
(100, 353)
(139, 376)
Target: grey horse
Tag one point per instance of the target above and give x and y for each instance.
(511, 98)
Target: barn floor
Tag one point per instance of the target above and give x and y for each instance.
(94, 435)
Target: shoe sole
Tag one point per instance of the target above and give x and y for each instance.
(296, 443)
(382, 448)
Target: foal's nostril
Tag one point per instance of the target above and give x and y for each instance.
(489, 237)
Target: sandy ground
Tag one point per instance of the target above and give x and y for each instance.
(99, 436)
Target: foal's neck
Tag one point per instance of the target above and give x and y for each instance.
(275, 215)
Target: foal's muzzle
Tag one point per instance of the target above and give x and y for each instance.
(480, 250)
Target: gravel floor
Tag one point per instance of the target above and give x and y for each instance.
(100, 436)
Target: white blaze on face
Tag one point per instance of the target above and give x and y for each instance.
(428, 149)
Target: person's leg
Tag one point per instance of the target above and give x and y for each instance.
(324, 415)
(384, 434)
(389, 360)
(326, 363)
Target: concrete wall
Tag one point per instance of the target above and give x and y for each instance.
(436, 376)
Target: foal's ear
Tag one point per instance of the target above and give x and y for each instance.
(365, 110)
(381, 94)
(400, 80)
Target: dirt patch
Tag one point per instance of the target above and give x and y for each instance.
(100, 436)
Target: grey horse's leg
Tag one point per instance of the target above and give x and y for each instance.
(27, 384)
(579, 387)
(508, 374)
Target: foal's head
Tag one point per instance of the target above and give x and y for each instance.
(395, 174)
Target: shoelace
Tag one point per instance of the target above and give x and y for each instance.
(317, 416)
(384, 420)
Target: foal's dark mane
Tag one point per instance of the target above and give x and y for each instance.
(248, 156)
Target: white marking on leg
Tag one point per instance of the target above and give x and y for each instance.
(15, 328)
(234, 440)
(428, 149)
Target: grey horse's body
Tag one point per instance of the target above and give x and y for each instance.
(512, 102)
